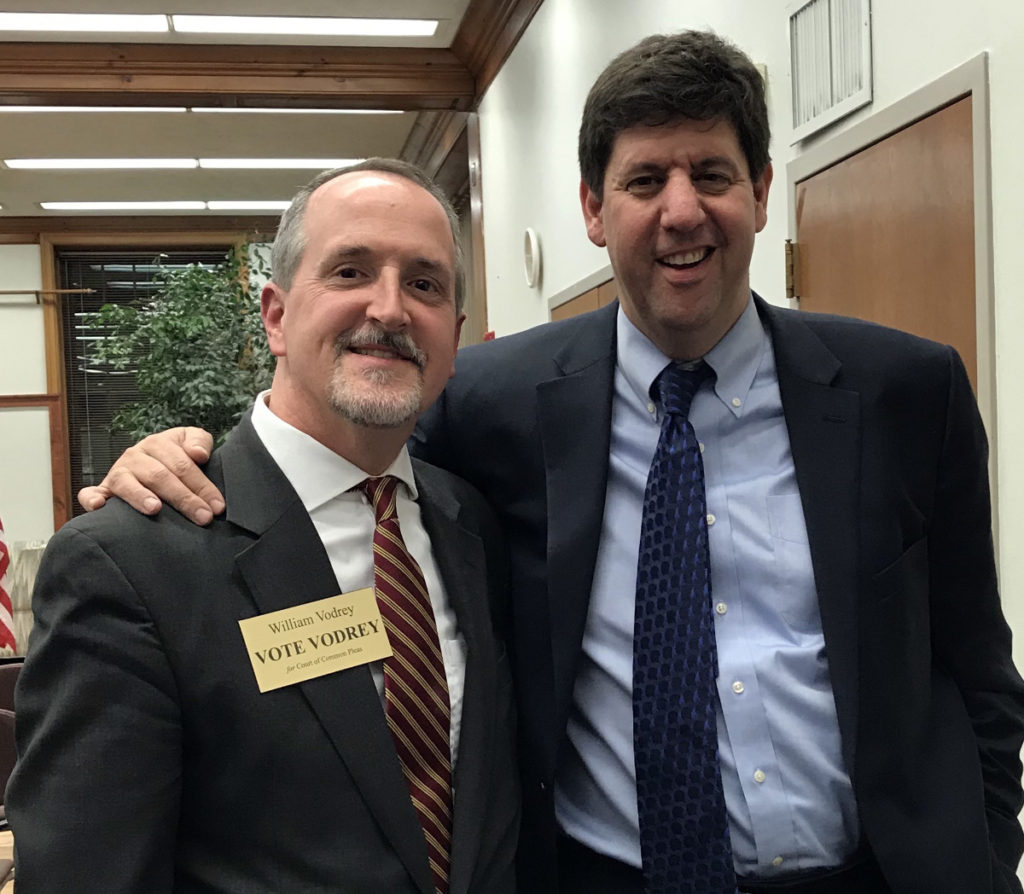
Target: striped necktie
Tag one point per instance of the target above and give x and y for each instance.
(415, 686)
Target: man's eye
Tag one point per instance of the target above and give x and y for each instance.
(713, 180)
(348, 272)
(424, 285)
(644, 184)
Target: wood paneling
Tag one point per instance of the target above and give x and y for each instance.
(888, 233)
(607, 292)
(592, 299)
(581, 304)
(478, 287)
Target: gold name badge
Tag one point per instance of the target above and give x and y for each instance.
(318, 638)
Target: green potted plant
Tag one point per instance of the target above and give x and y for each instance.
(196, 347)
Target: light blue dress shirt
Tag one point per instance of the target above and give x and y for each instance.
(791, 805)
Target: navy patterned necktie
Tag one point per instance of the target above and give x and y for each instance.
(684, 830)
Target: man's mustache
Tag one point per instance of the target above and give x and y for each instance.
(370, 336)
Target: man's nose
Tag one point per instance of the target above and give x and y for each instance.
(387, 304)
(681, 204)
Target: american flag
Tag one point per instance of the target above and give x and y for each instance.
(7, 643)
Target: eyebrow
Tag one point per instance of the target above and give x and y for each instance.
(717, 160)
(710, 161)
(365, 252)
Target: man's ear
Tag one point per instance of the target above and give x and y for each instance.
(458, 334)
(761, 187)
(272, 312)
(592, 207)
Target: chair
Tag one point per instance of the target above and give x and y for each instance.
(9, 670)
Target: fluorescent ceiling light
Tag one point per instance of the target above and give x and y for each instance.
(266, 164)
(248, 205)
(229, 205)
(98, 164)
(201, 111)
(123, 206)
(295, 111)
(222, 164)
(293, 25)
(78, 21)
(92, 109)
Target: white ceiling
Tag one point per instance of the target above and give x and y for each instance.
(163, 135)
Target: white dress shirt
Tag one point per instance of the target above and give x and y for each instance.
(345, 521)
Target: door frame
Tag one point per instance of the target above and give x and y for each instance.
(968, 79)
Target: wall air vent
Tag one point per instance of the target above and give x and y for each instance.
(830, 61)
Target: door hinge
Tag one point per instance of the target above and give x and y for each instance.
(792, 269)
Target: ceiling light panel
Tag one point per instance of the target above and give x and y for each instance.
(301, 25)
(77, 21)
(296, 111)
(256, 205)
(284, 164)
(48, 109)
(99, 164)
(123, 206)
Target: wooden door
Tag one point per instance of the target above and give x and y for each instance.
(887, 234)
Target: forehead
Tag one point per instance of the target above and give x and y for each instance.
(682, 139)
(380, 210)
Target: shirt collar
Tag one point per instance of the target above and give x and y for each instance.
(317, 473)
(735, 359)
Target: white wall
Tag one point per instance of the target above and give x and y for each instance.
(22, 357)
(26, 488)
(530, 115)
(26, 493)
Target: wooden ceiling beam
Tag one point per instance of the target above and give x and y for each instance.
(489, 32)
(127, 74)
(257, 227)
(352, 77)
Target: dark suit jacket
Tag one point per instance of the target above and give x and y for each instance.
(890, 457)
(150, 762)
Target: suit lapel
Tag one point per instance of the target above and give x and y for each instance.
(460, 560)
(824, 424)
(287, 565)
(575, 411)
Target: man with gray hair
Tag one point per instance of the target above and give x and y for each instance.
(310, 694)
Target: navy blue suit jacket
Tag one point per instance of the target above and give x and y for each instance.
(890, 458)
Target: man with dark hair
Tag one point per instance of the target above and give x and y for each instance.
(309, 695)
(757, 638)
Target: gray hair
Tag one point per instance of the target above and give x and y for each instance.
(290, 242)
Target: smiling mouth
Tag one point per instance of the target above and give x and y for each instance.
(684, 260)
(382, 353)
(371, 342)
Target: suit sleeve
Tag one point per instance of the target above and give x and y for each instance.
(94, 799)
(969, 633)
